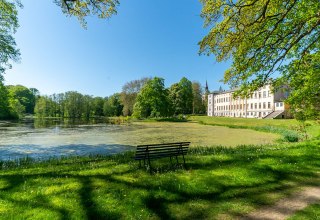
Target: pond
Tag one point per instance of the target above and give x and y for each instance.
(42, 139)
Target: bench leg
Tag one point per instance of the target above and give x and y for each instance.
(184, 161)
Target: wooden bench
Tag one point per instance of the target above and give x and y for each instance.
(150, 152)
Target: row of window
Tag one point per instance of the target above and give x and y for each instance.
(279, 104)
(259, 95)
(260, 105)
(255, 95)
(252, 114)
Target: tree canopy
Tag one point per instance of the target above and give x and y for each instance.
(8, 26)
(152, 100)
(129, 94)
(181, 95)
(264, 38)
(83, 8)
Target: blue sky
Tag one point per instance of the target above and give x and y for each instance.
(146, 38)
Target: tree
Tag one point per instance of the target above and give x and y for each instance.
(197, 105)
(152, 100)
(98, 103)
(42, 108)
(25, 97)
(304, 85)
(261, 37)
(73, 104)
(112, 106)
(8, 26)
(181, 96)
(4, 102)
(129, 94)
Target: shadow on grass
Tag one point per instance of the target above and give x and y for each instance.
(226, 184)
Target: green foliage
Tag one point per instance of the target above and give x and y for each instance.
(198, 106)
(303, 80)
(70, 105)
(217, 182)
(16, 108)
(4, 102)
(129, 94)
(152, 100)
(83, 8)
(98, 103)
(10, 104)
(25, 96)
(262, 38)
(181, 97)
(112, 106)
(8, 26)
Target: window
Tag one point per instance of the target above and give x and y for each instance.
(255, 105)
(251, 105)
(259, 105)
(259, 95)
(280, 104)
(255, 95)
(264, 105)
(264, 94)
(269, 94)
(269, 104)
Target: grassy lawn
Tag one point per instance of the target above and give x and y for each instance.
(221, 183)
(286, 127)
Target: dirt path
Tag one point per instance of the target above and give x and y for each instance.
(286, 207)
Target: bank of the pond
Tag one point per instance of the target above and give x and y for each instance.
(219, 182)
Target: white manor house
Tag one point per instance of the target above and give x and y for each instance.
(262, 104)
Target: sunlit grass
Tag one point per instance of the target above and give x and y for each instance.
(218, 182)
(311, 212)
(290, 129)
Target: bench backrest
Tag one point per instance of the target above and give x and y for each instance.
(151, 151)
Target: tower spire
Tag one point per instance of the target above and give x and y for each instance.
(207, 87)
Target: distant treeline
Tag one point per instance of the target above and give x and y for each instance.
(146, 97)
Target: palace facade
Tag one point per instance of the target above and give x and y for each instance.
(262, 104)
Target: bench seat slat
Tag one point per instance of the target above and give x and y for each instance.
(160, 149)
(176, 143)
(158, 156)
(164, 146)
(161, 153)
